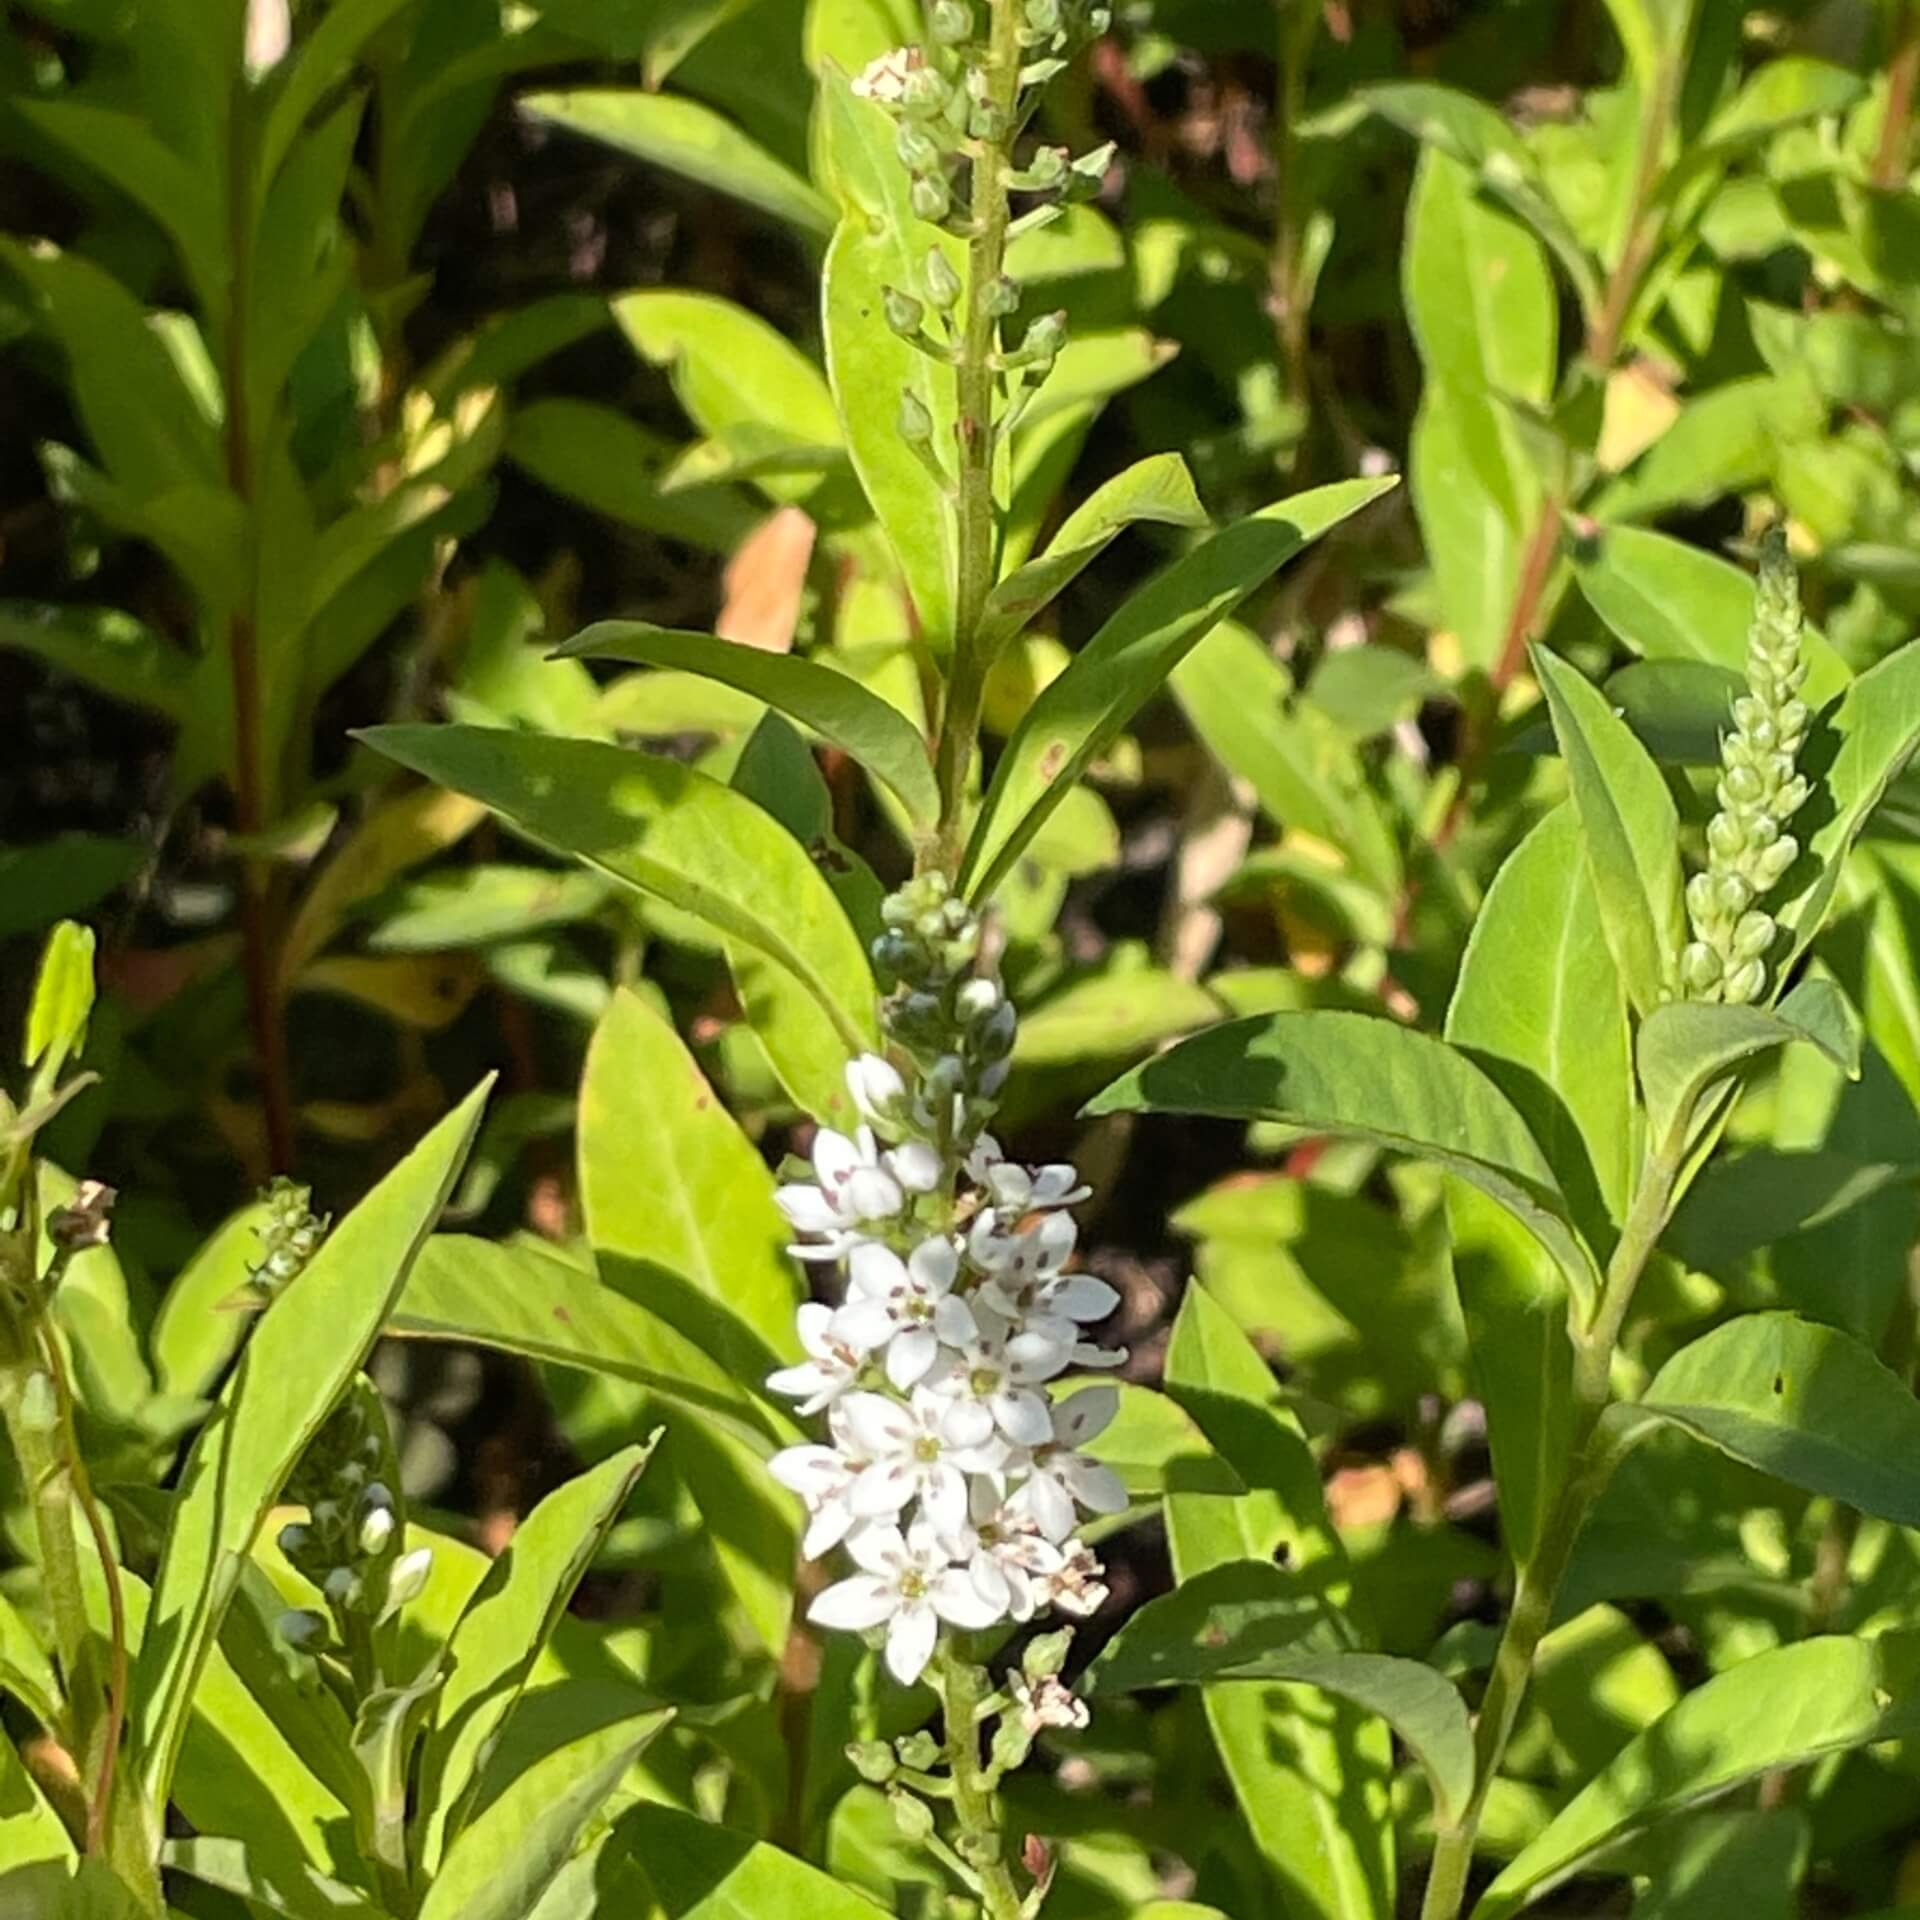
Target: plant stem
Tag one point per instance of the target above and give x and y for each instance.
(982, 1845)
(1643, 223)
(1298, 27)
(1890, 156)
(976, 384)
(1539, 1578)
(258, 935)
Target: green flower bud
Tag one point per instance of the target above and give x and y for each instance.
(930, 197)
(1726, 839)
(1772, 862)
(916, 423)
(904, 313)
(873, 1761)
(943, 284)
(1001, 298)
(913, 1817)
(951, 22)
(920, 1751)
(1753, 936)
(301, 1628)
(1046, 1654)
(1745, 984)
(1700, 968)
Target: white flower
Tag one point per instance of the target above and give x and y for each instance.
(1006, 1555)
(1059, 1475)
(920, 1449)
(1078, 1586)
(879, 1093)
(1021, 1262)
(907, 1584)
(854, 1187)
(1021, 1190)
(1048, 1702)
(822, 1477)
(906, 1306)
(1000, 1369)
(831, 1366)
(885, 79)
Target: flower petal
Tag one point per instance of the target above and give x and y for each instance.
(1083, 1415)
(854, 1605)
(864, 1324)
(875, 1271)
(1096, 1486)
(877, 1425)
(910, 1642)
(957, 1599)
(910, 1354)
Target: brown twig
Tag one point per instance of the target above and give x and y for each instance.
(1903, 72)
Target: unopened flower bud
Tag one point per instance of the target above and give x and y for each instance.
(1725, 836)
(1001, 297)
(942, 283)
(873, 1761)
(1753, 936)
(905, 314)
(951, 21)
(1745, 983)
(913, 1817)
(930, 196)
(1700, 968)
(920, 1751)
(916, 423)
(976, 1000)
(341, 1586)
(408, 1579)
(375, 1531)
(294, 1539)
(301, 1628)
(1773, 861)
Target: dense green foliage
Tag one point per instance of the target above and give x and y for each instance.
(740, 731)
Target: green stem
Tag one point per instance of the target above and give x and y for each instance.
(976, 383)
(981, 1842)
(1539, 1579)
(1643, 221)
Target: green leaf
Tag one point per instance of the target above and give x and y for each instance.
(1366, 1079)
(879, 243)
(1782, 1708)
(1539, 1008)
(1803, 1402)
(30, 1832)
(479, 905)
(1686, 1047)
(1079, 715)
(1156, 1447)
(196, 1332)
(65, 875)
(1157, 489)
(688, 138)
(1669, 601)
(1311, 1783)
(297, 1892)
(1305, 772)
(320, 62)
(502, 1631)
(1250, 1620)
(699, 1871)
(1781, 93)
(525, 1299)
(1630, 828)
(1750, 1861)
(1853, 756)
(663, 829)
(677, 1199)
(838, 708)
(62, 1001)
(1745, 1201)
(302, 1354)
(732, 371)
(603, 460)
(509, 1853)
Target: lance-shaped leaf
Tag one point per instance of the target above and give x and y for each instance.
(880, 243)
(505, 1859)
(1745, 1201)
(1630, 827)
(836, 707)
(1804, 1402)
(1779, 1709)
(528, 1300)
(1686, 1046)
(1366, 1079)
(299, 1892)
(1853, 755)
(1293, 1764)
(1158, 488)
(667, 830)
(668, 130)
(1251, 1620)
(307, 1347)
(700, 1871)
(501, 1633)
(1079, 715)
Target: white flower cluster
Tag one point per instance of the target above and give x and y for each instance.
(955, 1480)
